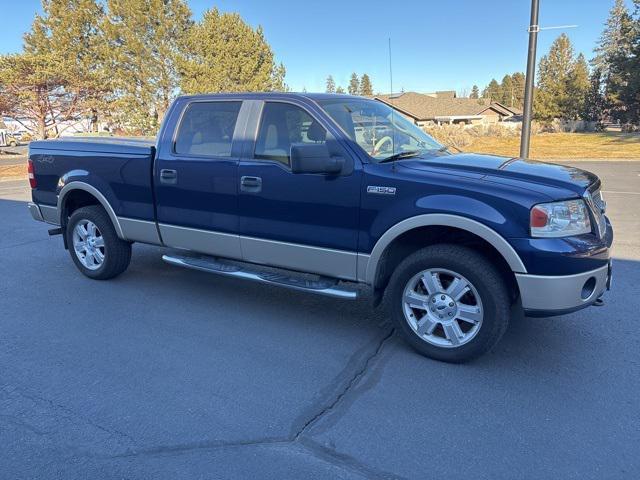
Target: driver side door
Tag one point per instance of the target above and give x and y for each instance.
(304, 222)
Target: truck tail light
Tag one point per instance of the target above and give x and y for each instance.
(32, 176)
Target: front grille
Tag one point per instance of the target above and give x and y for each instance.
(598, 206)
(598, 201)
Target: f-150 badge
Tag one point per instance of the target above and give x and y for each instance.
(381, 190)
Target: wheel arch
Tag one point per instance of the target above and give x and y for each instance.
(435, 228)
(67, 194)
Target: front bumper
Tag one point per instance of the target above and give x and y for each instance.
(544, 296)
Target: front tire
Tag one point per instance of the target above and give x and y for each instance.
(449, 302)
(94, 244)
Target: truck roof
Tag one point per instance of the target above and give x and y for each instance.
(268, 95)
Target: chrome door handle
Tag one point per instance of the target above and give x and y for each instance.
(250, 184)
(168, 176)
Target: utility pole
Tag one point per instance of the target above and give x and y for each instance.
(534, 28)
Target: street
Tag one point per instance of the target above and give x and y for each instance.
(167, 373)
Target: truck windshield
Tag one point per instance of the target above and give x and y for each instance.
(384, 133)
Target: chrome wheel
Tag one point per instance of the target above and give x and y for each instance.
(442, 307)
(88, 244)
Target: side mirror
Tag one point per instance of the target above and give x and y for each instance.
(314, 158)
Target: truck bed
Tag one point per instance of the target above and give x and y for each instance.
(120, 168)
(133, 145)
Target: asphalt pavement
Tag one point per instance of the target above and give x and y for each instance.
(167, 373)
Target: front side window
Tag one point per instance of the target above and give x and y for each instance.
(283, 124)
(207, 128)
(382, 132)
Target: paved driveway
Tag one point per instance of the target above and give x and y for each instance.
(168, 373)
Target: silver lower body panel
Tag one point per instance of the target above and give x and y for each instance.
(305, 258)
(44, 213)
(561, 293)
(35, 212)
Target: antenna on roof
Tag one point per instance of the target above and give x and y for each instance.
(393, 130)
(390, 69)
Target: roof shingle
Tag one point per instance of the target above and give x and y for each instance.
(424, 107)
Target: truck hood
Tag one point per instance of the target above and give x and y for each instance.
(530, 172)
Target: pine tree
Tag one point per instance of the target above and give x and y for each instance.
(475, 92)
(613, 54)
(354, 85)
(8, 102)
(331, 85)
(632, 92)
(224, 54)
(577, 88)
(614, 38)
(554, 71)
(518, 80)
(492, 92)
(30, 80)
(623, 84)
(366, 88)
(593, 105)
(340, 90)
(59, 77)
(143, 40)
(508, 93)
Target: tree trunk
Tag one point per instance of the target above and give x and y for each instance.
(94, 120)
(42, 128)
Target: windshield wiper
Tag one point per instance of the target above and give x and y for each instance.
(399, 155)
(446, 149)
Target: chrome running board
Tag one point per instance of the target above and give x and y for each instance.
(322, 286)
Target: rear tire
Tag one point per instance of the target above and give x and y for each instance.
(94, 244)
(449, 302)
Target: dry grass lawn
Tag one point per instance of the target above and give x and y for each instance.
(13, 171)
(575, 146)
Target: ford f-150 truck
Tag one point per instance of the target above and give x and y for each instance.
(320, 192)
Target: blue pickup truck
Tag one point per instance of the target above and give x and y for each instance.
(319, 193)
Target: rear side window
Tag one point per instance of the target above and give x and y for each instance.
(207, 129)
(283, 124)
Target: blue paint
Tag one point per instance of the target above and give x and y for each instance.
(330, 211)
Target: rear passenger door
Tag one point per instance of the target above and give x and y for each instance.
(196, 180)
(305, 222)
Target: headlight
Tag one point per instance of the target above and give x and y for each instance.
(560, 219)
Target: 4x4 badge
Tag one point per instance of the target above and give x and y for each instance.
(381, 190)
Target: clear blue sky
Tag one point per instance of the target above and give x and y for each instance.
(436, 44)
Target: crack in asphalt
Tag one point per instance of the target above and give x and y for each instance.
(352, 382)
(346, 462)
(70, 414)
(21, 423)
(204, 445)
(297, 438)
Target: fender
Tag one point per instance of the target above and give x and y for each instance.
(77, 185)
(445, 220)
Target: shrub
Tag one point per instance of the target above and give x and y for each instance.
(450, 135)
(460, 136)
(630, 128)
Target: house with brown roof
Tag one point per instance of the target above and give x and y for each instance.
(445, 107)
